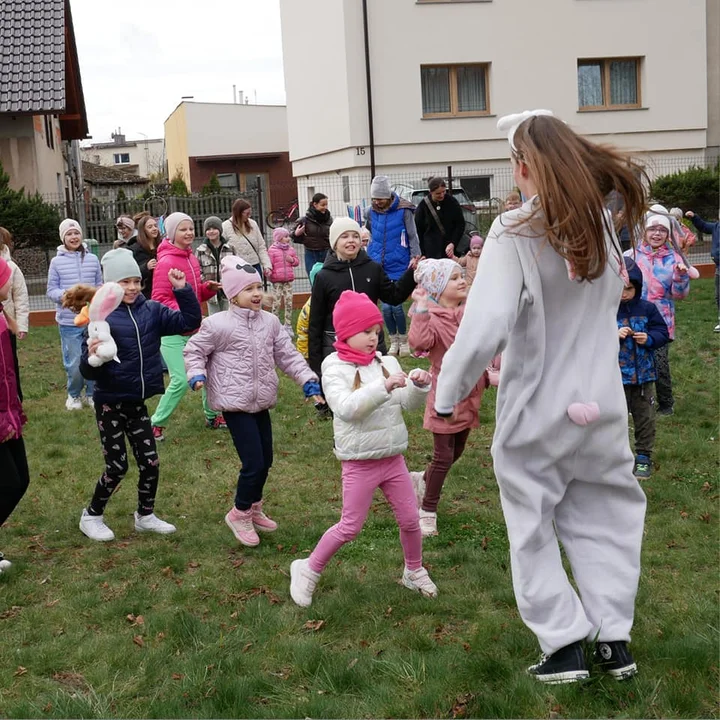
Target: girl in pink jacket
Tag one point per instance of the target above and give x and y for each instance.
(439, 306)
(283, 258)
(234, 356)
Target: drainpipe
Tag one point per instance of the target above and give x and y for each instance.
(368, 83)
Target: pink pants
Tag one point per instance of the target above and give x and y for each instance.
(360, 478)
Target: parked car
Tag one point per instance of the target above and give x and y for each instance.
(416, 193)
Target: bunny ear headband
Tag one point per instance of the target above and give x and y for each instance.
(510, 123)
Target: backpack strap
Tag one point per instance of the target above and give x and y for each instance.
(433, 212)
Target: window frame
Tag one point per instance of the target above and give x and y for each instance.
(121, 161)
(452, 82)
(227, 188)
(605, 81)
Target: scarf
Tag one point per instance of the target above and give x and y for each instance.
(348, 354)
(321, 218)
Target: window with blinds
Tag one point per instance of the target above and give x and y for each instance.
(455, 90)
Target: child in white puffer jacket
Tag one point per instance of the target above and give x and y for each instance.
(367, 393)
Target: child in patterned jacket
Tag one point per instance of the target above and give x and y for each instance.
(284, 259)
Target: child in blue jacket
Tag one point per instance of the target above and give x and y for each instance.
(121, 388)
(712, 229)
(642, 330)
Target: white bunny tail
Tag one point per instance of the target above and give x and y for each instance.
(510, 123)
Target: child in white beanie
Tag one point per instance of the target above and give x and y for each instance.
(121, 388)
(72, 265)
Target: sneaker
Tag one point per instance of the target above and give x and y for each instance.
(418, 482)
(394, 348)
(717, 328)
(303, 581)
(217, 423)
(404, 349)
(73, 403)
(260, 520)
(428, 523)
(420, 581)
(89, 401)
(152, 523)
(643, 467)
(241, 523)
(565, 665)
(95, 528)
(665, 410)
(4, 564)
(615, 659)
(157, 432)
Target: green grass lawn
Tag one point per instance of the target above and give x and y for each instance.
(194, 625)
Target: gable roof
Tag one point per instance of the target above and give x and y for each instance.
(104, 175)
(39, 68)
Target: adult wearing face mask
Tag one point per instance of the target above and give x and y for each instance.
(439, 220)
(127, 233)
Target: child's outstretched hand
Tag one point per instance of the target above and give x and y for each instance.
(420, 296)
(176, 278)
(420, 377)
(397, 380)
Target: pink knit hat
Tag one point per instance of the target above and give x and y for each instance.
(477, 241)
(353, 313)
(280, 235)
(5, 272)
(236, 275)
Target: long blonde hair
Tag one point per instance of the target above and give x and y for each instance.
(573, 176)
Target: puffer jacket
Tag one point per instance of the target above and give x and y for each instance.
(663, 283)
(209, 259)
(137, 330)
(171, 257)
(283, 258)
(237, 351)
(712, 229)
(394, 238)
(12, 417)
(251, 247)
(317, 230)
(70, 268)
(434, 332)
(637, 362)
(368, 422)
(17, 305)
(362, 275)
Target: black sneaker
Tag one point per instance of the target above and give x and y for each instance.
(324, 412)
(565, 665)
(615, 659)
(668, 410)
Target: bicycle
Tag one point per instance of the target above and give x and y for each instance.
(284, 216)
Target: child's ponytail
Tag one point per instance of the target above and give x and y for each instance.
(357, 382)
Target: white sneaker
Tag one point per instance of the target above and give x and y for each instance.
(428, 523)
(302, 582)
(418, 481)
(394, 348)
(94, 527)
(152, 523)
(73, 403)
(420, 581)
(88, 400)
(717, 328)
(4, 564)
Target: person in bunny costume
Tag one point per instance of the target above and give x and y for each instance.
(122, 385)
(546, 295)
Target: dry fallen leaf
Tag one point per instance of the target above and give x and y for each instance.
(352, 663)
(177, 676)
(20, 671)
(138, 640)
(705, 517)
(314, 625)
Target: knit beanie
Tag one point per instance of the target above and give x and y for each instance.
(69, 224)
(236, 275)
(353, 313)
(280, 235)
(172, 222)
(125, 221)
(314, 270)
(434, 275)
(119, 264)
(653, 220)
(341, 225)
(5, 272)
(380, 187)
(212, 222)
(476, 241)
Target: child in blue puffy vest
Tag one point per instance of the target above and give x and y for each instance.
(642, 330)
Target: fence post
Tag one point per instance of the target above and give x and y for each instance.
(449, 174)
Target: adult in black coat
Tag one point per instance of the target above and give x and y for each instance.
(348, 267)
(434, 239)
(145, 251)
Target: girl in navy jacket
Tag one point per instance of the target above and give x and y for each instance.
(122, 387)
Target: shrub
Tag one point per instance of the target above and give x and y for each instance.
(212, 187)
(178, 188)
(692, 189)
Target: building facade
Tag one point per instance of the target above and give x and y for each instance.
(239, 143)
(443, 71)
(144, 157)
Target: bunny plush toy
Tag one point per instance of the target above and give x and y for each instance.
(106, 299)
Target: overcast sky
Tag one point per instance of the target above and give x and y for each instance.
(139, 57)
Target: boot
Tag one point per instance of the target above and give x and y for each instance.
(404, 347)
(394, 345)
(260, 520)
